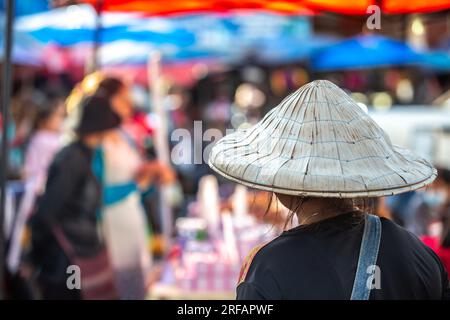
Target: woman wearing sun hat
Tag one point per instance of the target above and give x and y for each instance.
(325, 158)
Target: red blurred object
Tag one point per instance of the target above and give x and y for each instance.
(139, 129)
(387, 6)
(442, 252)
(411, 6)
(141, 120)
(164, 7)
(174, 253)
(339, 6)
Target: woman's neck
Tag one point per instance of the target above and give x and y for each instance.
(314, 210)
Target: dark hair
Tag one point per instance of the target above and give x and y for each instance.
(356, 206)
(97, 116)
(444, 175)
(445, 234)
(45, 110)
(109, 87)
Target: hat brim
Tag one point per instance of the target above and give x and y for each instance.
(386, 191)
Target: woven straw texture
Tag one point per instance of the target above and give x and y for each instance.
(318, 142)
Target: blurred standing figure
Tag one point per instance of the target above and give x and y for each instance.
(426, 206)
(439, 231)
(124, 175)
(44, 142)
(43, 145)
(70, 204)
(23, 109)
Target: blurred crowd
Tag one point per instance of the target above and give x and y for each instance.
(90, 177)
(84, 193)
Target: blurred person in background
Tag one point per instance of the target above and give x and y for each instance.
(45, 141)
(124, 176)
(438, 237)
(399, 206)
(70, 203)
(23, 109)
(426, 206)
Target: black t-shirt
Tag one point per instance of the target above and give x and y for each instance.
(319, 261)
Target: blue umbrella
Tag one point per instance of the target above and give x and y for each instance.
(26, 50)
(368, 51)
(134, 53)
(24, 7)
(127, 38)
(437, 60)
(267, 38)
(77, 25)
(259, 34)
(288, 49)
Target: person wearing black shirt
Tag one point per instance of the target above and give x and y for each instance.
(71, 201)
(319, 260)
(325, 158)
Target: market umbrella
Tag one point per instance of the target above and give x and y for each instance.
(26, 53)
(387, 6)
(285, 50)
(131, 53)
(162, 7)
(437, 60)
(128, 38)
(25, 50)
(365, 51)
(76, 28)
(69, 26)
(24, 7)
(414, 6)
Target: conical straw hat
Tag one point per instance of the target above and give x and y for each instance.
(318, 142)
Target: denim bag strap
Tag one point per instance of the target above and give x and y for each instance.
(367, 257)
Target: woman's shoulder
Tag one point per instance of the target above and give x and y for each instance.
(248, 261)
(269, 254)
(397, 235)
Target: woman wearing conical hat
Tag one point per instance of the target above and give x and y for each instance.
(325, 159)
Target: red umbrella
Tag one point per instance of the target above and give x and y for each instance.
(387, 6)
(164, 7)
(339, 6)
(414, 6)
